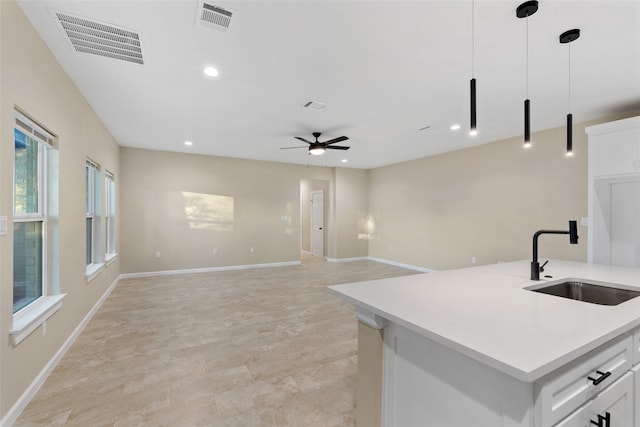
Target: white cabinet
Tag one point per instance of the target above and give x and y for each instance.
(426, 383)
(614, 177)
(636, 347)
(611, 408)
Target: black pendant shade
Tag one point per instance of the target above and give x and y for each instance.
(565, 38)
(569, 134)
(525, 10)
(527, 122)
(473, 106)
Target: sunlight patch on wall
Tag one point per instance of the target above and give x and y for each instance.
(289, 219)
(366, 226)
(208, 211)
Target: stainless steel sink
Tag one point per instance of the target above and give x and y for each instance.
(587, 290)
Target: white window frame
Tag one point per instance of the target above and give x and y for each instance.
(92, 192)
(111, 251)
(31, 316)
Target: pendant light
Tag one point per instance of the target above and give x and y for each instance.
(472, 128)
(566, 38)
(525, 10)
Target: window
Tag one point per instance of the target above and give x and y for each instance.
(36, 293)
(110, 216)
(29, 216)
(93, 248)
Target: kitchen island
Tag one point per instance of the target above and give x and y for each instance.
(474, 347)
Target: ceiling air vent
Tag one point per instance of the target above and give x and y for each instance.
(314, 105)
(99, 38)
(213, 16)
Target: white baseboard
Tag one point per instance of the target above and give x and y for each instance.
(12, 415)
(399, 264)
(383, 261)
(207, 269)
(362, 258)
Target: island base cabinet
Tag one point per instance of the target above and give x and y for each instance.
(613, 407)
(428, 384)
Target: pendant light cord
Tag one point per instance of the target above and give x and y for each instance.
(569, 77)
(473, 39)
(527, 59)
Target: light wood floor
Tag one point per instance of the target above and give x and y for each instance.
(260, 347)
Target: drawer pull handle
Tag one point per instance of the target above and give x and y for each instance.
(606, 420)
(603, 376)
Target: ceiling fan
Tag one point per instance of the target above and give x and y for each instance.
(317, 148)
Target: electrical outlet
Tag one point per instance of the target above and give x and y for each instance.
(584, 221)
(473, 260)
(215, 251)
(157, 254)
(252, 250)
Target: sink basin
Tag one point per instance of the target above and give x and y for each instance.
(587, 290)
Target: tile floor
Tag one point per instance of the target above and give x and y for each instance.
(260, 347)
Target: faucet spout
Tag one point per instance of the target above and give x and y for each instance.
(573, 239)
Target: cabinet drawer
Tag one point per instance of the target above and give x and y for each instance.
(568, 388)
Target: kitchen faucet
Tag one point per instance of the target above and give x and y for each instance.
(573, 239)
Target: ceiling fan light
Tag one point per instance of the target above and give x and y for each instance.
(316, 149)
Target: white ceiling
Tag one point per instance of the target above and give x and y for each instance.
(385, 69)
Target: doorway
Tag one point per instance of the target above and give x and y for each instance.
(317, 223)
(322, 218)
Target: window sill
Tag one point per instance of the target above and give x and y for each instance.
(92, 271)
(34, 315)
(110, 258)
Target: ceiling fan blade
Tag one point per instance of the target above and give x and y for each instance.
(336, 147)
(334, 140)
(289, 148)
(302, 139)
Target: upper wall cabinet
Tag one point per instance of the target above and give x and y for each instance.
(614, 193)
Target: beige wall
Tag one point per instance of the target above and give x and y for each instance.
(484, 201)
(352, 207)
(31, 79)
(180, 205)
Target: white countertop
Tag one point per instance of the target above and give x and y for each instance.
(484, 313)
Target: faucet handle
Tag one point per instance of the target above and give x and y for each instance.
(542, 266)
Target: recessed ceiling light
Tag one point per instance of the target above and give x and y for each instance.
(455, 127)
(344, 160)
(211, 72)
(188, 143)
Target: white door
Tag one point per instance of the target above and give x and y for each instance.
(317, 223)
(625, 227)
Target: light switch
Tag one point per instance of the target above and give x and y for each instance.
(3, 225)
(584, 221)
